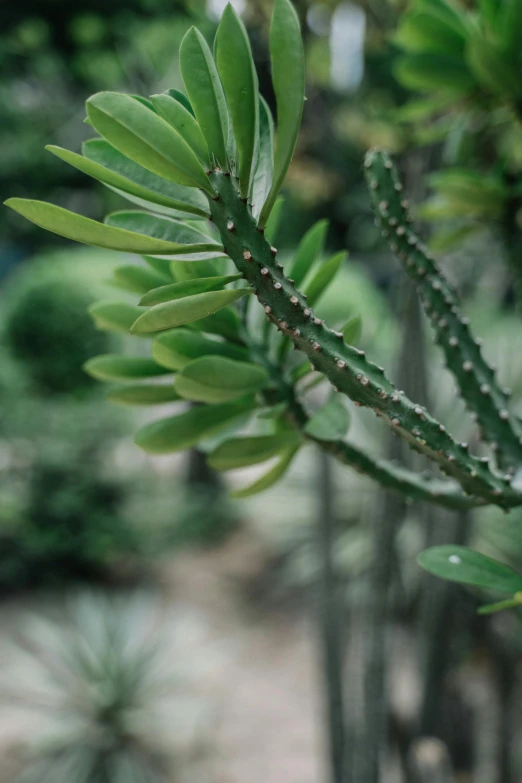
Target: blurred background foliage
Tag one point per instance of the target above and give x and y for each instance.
(79, 502)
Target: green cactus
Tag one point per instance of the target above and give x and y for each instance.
(206, 179)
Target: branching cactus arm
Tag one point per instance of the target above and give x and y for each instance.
(475, 378)
(346, 367)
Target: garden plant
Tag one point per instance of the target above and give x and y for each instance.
(204, 170)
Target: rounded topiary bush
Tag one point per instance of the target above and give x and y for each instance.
(47, 327)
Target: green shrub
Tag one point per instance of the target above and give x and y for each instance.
(47, 328)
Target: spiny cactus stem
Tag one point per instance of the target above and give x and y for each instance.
(475, 378)
(346, 368)
(417, 487)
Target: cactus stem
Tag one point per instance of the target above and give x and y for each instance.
(475, 377)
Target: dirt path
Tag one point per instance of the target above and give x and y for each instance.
(246, 704)
(252, 676)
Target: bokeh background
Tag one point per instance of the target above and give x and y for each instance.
(151, 629)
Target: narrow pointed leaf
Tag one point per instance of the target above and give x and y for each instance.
(238, 75)
(288, 77)
(274, 411)
(89, 232)
(274, 220)
(460, 564)
(331, 422)
(243, 452)
(201, 268)
(265, 164)
(145, 102)
(178, 347)
(184, 123)
(146, 138)
(114, 367)
(499, 606)
(167, 293)
(143, 394)
(184, 431)
(205, 93)
(219, 379)
(115, 316)
(179, 236)
(143, 183)
(195, 257)
(323, 277)
(125, 187)
(160, 265)
(183, 311)
(352, 330)
(225, 323)
(270, 478)
(181, 98)
(309, 249)
(137, 279)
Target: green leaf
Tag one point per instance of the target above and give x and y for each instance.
(238, 75)
(137, 279)
(265, 165)
(185, 430)
(452, 16)
(460, 564)
(162, 228)
(423, 32)
(121, 185)
(427, 72)
(143, 183)
(219, 379)
(201, 268)
(167, 293)
(115, 316)
(197, 257)
(274, 411)
(143, 394)
(274, 220)
(309, 249)
(270, 478)
(498, 606)
(330, 422)
(90, 232)
(181, 98)
(143, 136)
(493, 69)
(352, 330)
(160, 265)
(178, 347)
(243, 452)
(114, 367)
(225, 323)
(205, 93)
(184, 123)
(288, 77)
(145, 102)
(184, 311)
(323, 277)
(510, 25)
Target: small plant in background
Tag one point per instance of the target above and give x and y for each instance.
(91, 689)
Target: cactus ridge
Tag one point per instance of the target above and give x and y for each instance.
(476, 380)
